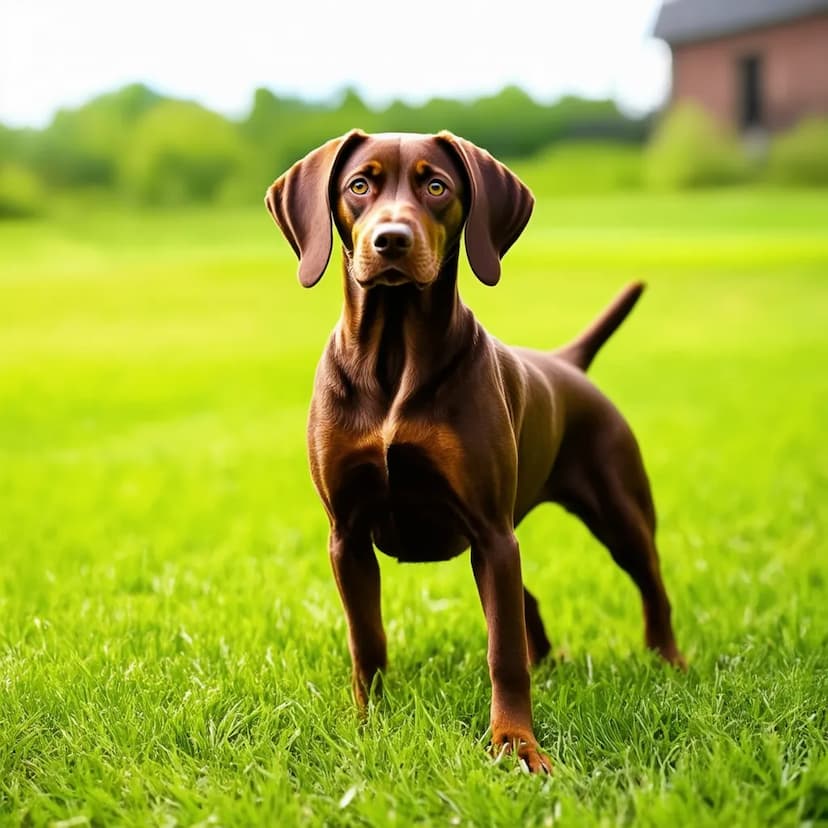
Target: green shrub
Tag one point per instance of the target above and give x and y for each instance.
(688, 149)
(180, 152)
(583, 167)
(801, 156)
(21, 192)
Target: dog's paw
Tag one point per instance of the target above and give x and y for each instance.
(672, 655)
(532, 759)
(679, 662)
(366, 692)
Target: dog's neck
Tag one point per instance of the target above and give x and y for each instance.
(396, 339)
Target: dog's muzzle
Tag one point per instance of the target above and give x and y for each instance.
(392, 239)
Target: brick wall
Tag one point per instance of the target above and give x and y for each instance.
(794, 72)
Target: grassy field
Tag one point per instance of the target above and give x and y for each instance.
(172, 648)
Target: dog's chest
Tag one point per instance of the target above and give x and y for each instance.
(400, 481)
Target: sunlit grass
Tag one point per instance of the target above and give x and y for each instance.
(172, 647)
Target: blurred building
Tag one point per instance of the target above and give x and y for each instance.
(753, 64)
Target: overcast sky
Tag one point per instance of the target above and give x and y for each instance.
(57, 53)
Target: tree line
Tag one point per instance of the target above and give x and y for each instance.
(145, 147)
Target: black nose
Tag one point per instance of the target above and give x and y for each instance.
(392, 239)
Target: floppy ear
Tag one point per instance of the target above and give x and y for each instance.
(500, 205)
(300, 203)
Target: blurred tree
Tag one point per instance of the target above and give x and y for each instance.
(12, 144)
(21, 193)
(180, 151)
(82, 147)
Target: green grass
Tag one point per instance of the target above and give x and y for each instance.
(172, 649)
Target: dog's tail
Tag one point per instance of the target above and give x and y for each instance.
(582, 350)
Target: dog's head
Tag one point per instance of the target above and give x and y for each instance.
(399, 202)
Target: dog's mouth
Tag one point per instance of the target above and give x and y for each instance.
(390, 277)
(412, 268)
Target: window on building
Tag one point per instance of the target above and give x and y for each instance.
(750, 91)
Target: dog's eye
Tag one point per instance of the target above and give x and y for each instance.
(436, 187)
(359, 186)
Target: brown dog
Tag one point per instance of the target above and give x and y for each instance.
(427, 435)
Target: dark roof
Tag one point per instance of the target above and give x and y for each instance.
(683, 21)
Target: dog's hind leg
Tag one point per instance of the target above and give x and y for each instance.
(626, 532)
(609, 491)
(539, 645)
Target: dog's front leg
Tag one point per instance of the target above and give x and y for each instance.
(496, 565)
(357, 575)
